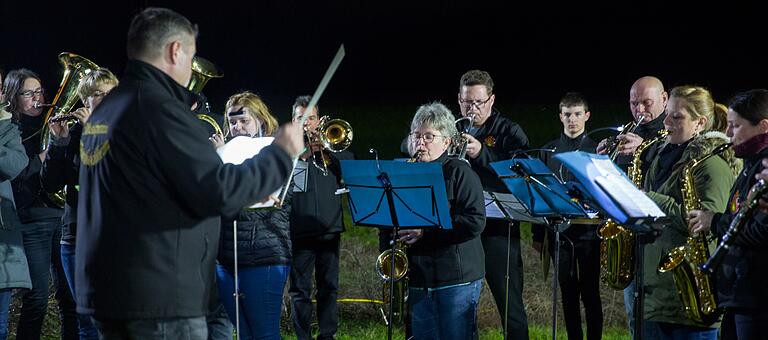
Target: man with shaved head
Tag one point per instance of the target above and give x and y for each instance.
(648, 99)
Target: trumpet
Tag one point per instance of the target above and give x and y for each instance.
(459, 144)
(613, 143)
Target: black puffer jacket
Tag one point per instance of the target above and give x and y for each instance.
(263, 237)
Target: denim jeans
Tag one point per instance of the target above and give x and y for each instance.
(629, 306)
(671, 331)
(156, 329)
(445, 313)
(5, 304)
(744, 323)
(41, 245)
(87, 330)
(261, 296)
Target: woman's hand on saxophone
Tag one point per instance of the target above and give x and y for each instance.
(699, 221)
(409, 236)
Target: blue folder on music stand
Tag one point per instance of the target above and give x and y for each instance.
(534, 184)
(418, 193)
(609, 187)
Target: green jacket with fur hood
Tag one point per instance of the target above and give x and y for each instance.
(713, 179)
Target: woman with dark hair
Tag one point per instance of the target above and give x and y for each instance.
(39, 215)
(742, 277)
(13, 263)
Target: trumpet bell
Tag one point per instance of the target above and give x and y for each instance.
(202, 71)
(336, 134)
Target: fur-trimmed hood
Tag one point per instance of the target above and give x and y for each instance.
(704, 144)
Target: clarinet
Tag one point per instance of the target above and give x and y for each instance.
(734, 229)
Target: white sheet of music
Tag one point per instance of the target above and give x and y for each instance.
(511, 205)
(635, 202)
(240, 148)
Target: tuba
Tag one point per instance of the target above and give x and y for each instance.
(202, 71)
(75, 69)
(617, 243)
(694, 286)
(335, 135)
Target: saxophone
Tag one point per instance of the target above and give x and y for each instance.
(617, 243)
(694, 286)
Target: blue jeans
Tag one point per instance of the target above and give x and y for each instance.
(261, 296)
(86, 328)
(5, 303)
(629, 306)
(671, 331)
(156, 329)
(447, 313)
(41, 245)
(744, 323)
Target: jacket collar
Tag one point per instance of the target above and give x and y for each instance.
(5, 115)
(144, 72)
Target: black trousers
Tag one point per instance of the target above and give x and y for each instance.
(579, 278)
(323, 257)
(495, 247)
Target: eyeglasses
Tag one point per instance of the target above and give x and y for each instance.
(31, 93)
(428, 137)
(475, 103)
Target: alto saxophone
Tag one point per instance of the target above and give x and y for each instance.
(694, 286)
(617, 243)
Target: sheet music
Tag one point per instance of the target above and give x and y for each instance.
(300, 175)
(516, 210)
(240, 148)
(633, 201)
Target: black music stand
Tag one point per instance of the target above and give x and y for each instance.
(544, 196)
(397, 195)
(618, 198)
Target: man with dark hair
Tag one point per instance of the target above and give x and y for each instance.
(490, 138)
(579, 268)
(152, 190)
(316, 227)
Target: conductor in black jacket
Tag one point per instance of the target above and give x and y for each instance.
(316, 226)
(494, 138)
(152, 189)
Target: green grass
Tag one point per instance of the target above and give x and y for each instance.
(377, 330)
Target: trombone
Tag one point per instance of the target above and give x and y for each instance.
(335, 135)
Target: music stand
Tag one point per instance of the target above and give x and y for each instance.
(397, 195)
(545, 196)
(618, 198)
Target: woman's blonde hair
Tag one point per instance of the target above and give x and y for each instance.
(91, 82)
(257, 108)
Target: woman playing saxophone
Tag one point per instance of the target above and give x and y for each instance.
(742, 277)
(694, 123)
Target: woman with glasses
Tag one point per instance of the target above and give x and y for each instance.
(61, 170)
(447, 265)
(38, 214)
(263, 238)
(13, 263)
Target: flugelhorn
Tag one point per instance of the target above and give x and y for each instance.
(613, 143)
(459, 144)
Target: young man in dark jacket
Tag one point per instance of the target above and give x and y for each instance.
(579, 266)
(152, 189)
(316, 226)
(494, 138)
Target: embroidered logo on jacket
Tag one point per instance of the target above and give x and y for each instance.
(490, 141)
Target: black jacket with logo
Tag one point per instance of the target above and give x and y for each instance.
(451, 256)
(152, 189)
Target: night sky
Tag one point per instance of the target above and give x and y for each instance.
(403, 54)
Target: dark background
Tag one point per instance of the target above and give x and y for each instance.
(403, 54)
